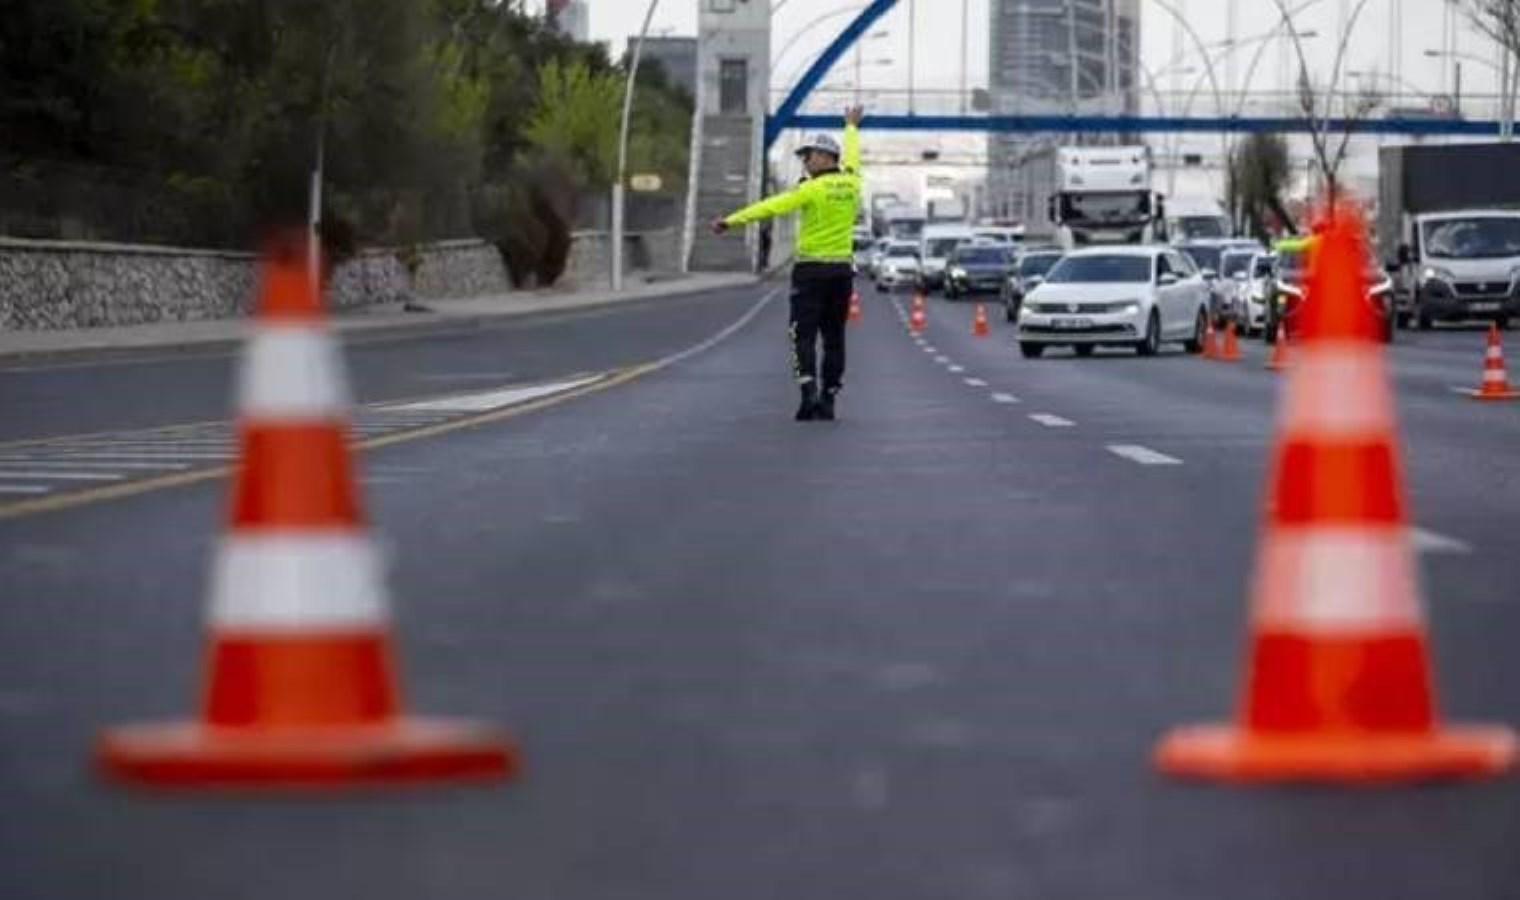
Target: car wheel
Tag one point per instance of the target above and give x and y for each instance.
(1150, 345)
(1031, 351)
(1084, 350)
(1194, 344)
(1425, 322)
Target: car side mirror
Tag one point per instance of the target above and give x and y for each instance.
(1035, 279)
(1167, 279)
(1208, 274)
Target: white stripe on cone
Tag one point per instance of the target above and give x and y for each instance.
(1329, 580)
(1339, 390)
(293, 372)
(298, 581)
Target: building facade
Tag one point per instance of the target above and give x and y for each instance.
(572, 18)
(1053, 57)
(676, 55)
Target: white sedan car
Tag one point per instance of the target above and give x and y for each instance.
(1140, 297)
(899, 266)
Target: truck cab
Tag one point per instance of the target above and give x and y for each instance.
(1103, 196)
(937, 244)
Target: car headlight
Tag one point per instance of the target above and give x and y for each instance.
(1031, 307)
(1436, 273)
(957, 273)
(1125, 308)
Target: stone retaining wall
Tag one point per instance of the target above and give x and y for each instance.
(63, 284)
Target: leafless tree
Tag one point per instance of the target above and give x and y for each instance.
(1500, 21)
(1322, 104)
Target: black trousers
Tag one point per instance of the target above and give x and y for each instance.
(820, 309)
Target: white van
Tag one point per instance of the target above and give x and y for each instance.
(936, 246)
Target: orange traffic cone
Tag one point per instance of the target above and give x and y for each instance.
(1231, 351)
(1495, 379)
(1210, 340)
(300, 685)
(979, 322)
(855, 313)
(918, 300)
(1339, 680)
(1279, 358)
(917, 320)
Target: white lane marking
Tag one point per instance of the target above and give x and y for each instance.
(1050, 421)
(23, 488)
(930, 348)
(1004, 398)
(1427, 541)
(956, 370)
(1145, 456)
(129, 453)
(485, 402)
(59, 476)
(975, 382)
(942, 360)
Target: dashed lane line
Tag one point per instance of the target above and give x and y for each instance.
(1052, 421)
(1145, 456)
(975, 382)
(1004, 398)
(956, 370)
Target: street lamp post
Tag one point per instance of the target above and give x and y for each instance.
(1506, 92)
(618, 189)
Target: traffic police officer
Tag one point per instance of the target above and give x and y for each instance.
(823, 275)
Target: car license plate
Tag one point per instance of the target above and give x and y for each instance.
(1486, 307)
(1070, 324)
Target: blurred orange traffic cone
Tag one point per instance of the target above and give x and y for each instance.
(918, 299)
(1231, 351)
(917, 320)
(300, 686)
(1339, 680)
(979, 322)
(855, 313)
(1495, 379)
(1210, 340)
(1279, 359)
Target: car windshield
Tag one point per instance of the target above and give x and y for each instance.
(1485, 237)
(1038, 263)
(1236, 264)
(1291, 265)
(902, 251)
(1204, 257)
(1116, 209)
(1262, 268)
(981, 256)
(1198, 227)
(1105, 269)
(939, 248)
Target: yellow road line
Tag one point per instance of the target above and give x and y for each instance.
(146, 485)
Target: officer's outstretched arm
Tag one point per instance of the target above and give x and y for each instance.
(852, 117)
(770, 207)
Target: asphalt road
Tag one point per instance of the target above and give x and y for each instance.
(923, 652)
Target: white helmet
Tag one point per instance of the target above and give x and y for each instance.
(820, 141)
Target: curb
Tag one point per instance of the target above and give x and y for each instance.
(424, 325)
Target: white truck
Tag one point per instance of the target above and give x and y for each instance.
(1449, 231)
(1104, 196)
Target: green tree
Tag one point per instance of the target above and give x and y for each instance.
(576, 118)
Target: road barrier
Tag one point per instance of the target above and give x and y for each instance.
(301, 687)
(1338, 685)
(1495, 384)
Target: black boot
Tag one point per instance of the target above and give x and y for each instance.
(824, 411)
(807, 411)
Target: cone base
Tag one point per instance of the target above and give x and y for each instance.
(1227, 753)
(190, 755)
(1480, 394)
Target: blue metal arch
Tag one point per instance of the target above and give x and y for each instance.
(786, 114)
(1149, 124)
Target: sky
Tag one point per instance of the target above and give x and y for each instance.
(938, 38)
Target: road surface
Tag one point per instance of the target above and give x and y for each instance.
(921, 653)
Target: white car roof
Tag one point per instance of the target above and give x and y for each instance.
(1145, 250)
